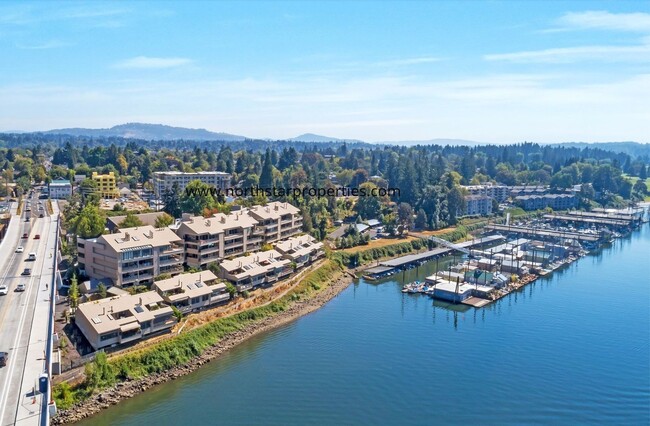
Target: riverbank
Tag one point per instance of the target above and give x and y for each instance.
(131, 387)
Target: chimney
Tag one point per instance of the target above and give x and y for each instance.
(223, 219)
(127, 236)
(104, 310)
(207, 222)
(140, 298)
(277, 207)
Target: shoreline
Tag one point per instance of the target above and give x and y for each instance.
(130, 388)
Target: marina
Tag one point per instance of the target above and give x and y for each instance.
(491, 273)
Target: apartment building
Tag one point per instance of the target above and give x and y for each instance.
(106, 185)
(256, 270)
(302, 250)
(60, 189)
(478, 205)
(163, 181)
(132, 256)
(123, 319)
(554, 201)
(207, 240)
(498, 192)
(277, 220)
(192, 292)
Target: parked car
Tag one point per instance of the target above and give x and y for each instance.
(20, 287)
(20, 249)
(37, 237)
(27, 271)
(4, 290)
(4, 358)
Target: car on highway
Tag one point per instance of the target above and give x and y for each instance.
(31, 257)
(27, 219)
(24, 235)
(40, 215)
(4, 357)
(27, 271)
(37, 237)
(20, 287)
(3, 290)
(20, 249)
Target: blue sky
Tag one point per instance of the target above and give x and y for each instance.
(496, 71)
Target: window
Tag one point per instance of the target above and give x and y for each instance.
(108, 336)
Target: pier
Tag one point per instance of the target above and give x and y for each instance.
(545, 233)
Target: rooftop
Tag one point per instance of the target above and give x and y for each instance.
(142, 236)
(273, 210)
(124, 311)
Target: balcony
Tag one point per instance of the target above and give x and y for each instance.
(218, 298)
(137, 267)
(170, 261)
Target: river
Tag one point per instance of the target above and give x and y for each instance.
(571, 348)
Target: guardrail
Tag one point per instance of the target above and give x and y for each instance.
(48, 398)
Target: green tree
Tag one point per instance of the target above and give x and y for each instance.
(266, 177)
(101, 289)
(73, 292)
(231, 289)
(89, 223)
(131, 221)
(197, 197)
(163, 221)
(368, 206)
(177, 313)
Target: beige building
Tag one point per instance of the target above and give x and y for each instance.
(256, 270)
(302, 250)
(123, 319)
(192, 292)
(207, 240)
(277, 220)
(132, 256)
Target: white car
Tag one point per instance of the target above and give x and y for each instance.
(20, 249)
(3, 290)
(20, 287)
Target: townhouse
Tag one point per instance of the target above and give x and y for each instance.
(207, 240)
(277, 220)
(256, 270)
(132, 256)
(301, 250)
(123, 319)
(192, 292)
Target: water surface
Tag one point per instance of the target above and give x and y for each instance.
(571, 348)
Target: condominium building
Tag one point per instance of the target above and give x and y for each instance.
(60, 189)
(554, 201)
(123, 319)
(192, 292)
(132, 256)
(256, 270)
(478, 205)
(301, 250)
(106, 185)
(498, 192)
(277, 220)
(207, 240)
(163, 181)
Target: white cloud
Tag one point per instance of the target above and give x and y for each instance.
(638, 53)
(148, 62)
(51, 44)
(603, 20)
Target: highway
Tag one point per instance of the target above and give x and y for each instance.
(22, 333)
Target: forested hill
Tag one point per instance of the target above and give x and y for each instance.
(633, 149)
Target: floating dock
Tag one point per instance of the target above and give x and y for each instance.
(544, 233)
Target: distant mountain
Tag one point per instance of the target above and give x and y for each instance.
(310, 137)
(634, 149)
(436, 142)
(150, 132)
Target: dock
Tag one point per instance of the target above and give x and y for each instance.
(544, 233)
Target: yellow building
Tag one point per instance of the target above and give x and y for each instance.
(106, 187)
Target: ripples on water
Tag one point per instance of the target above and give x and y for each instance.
(571, 348)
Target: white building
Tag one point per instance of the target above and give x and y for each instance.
(192, 292)
(60, 189)
(163, 181)
(478, 205)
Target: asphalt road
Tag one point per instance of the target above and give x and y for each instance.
(17, 308)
